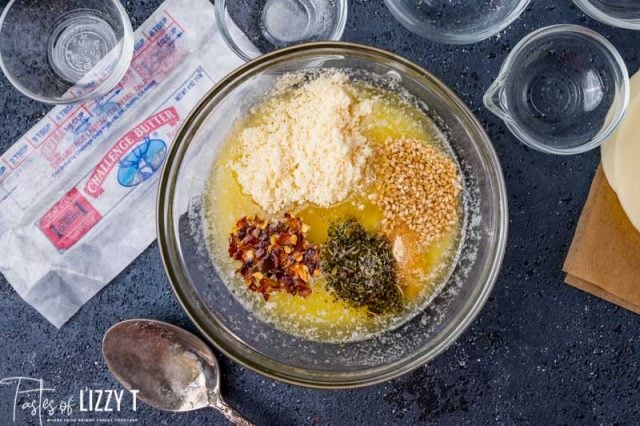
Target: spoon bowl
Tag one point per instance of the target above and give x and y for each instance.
(171, 369)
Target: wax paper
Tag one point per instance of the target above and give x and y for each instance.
(604, 258)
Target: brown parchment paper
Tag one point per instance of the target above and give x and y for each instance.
(604, 258)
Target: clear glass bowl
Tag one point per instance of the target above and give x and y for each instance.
(617, 13)
(563, 90)
(65, 51)
(267, 25)
(456, 21)
(273, 353)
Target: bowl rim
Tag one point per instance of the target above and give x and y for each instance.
(415, 26)
(126, 56)
(170, 252)
(589, 9)
(221, 18)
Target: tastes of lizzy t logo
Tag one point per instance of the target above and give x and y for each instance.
(33, 400)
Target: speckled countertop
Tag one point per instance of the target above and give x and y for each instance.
(540, 352)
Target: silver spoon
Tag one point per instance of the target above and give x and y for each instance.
(171, 369)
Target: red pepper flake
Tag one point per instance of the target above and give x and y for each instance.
(275, 256)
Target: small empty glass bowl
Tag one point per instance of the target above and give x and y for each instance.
(563, 89)
(273, 24)
(64, 51)
(456, 21)
(618, 13)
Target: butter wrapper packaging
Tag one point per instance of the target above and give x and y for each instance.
(78, 190)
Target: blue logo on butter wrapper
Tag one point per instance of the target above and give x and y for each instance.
(141, 163)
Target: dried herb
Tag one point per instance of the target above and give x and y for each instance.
(275, 256)
(360, 267)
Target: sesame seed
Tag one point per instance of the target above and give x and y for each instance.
(419, 187)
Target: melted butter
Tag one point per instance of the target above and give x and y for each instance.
(321, 316)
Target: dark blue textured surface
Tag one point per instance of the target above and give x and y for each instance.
(540, 351)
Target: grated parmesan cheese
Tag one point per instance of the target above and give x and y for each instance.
(307, 146)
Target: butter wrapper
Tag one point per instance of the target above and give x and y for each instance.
(78, 190)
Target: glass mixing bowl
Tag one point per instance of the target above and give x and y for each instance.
(456, 21)
(255, 344)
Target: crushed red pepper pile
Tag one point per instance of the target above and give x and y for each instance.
(275, 256)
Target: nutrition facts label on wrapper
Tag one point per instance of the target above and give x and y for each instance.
(89, 166)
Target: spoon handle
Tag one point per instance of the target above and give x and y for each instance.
(230, 413)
